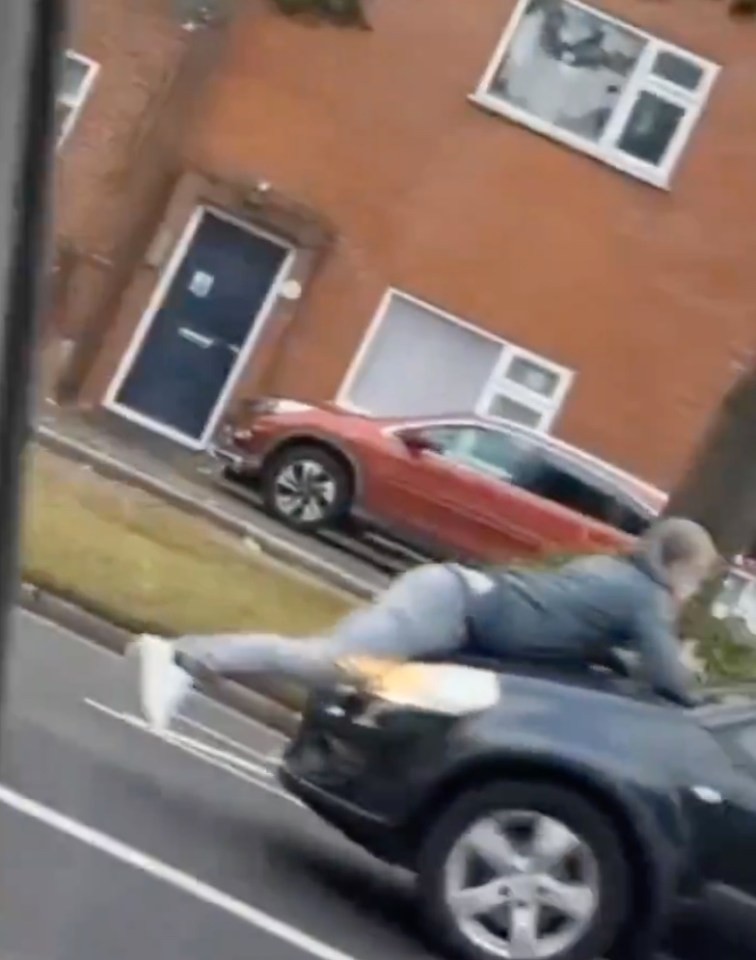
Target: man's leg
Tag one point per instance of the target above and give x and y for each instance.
(422, 613)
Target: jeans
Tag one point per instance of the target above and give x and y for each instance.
(423, 613)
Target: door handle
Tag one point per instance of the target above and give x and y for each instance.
(197, 338)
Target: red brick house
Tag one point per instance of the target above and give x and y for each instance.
(125, 63)
(538, 209)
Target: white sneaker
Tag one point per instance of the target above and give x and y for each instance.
(163, 684)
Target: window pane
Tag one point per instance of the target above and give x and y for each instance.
(626, 517)
(567, 66)
(420, 363)
(548, 477)
(487, 450)
(509, 409)
(678, 70)
(650, 127)
(532, 375)
(447, 439)
(503, 453)
(74, 74)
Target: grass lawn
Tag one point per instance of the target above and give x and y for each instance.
(148, 567)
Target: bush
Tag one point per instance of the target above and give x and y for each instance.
(724, 655)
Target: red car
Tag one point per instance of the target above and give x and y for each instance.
(454, 486)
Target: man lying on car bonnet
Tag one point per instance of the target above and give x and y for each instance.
(581, 612)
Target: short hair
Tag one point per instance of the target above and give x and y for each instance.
(675, 540)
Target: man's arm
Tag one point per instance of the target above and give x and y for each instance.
(660, 652)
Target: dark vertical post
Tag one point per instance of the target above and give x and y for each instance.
(29, 54)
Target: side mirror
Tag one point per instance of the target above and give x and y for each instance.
(418, 442)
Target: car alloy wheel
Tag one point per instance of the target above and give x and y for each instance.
(304, 492)
(523, 870)
(521, 884)
(307, 486)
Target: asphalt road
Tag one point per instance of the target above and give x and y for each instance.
(114, 843)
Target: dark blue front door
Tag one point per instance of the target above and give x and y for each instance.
(195, 338)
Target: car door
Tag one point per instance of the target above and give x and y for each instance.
(580, 510)
(513, 519)
(457, 492)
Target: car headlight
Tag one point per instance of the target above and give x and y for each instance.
(438, 689)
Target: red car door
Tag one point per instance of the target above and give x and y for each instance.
(580, 510)
(454, 490)
(511, 519)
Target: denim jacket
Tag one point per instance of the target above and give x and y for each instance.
(583, 609)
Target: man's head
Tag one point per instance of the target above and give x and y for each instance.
(683, 551)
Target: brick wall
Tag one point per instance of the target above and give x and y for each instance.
(648, 294)
(138, 45)
(113, 168)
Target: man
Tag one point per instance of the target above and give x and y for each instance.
(582, 612)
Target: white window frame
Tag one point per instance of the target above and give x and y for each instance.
(549, 408)
(76, 103)
(499, 385)
(642, 79)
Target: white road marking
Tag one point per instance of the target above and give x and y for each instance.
(172, 876)
(233, 764)
(267, 758)
(106, 651)
(178, 739)
(250, 721)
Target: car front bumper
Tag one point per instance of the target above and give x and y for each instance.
(363, 828)
(367, 779)
(238, 461)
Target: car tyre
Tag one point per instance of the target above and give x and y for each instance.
(567, 807)
(306, 487)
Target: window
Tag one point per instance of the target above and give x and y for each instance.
(524, 462)
(525, 389)
(417, 360)
(77, 76)
(488, 451)
(628, 517)
(598, 85)
(553, 479)
(565, 482)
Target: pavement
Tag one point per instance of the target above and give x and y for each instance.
(117, 843)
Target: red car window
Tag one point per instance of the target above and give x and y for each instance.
(563, 481)
(543, 471)
(488, 451)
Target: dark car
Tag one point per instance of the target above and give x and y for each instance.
(547, 813)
